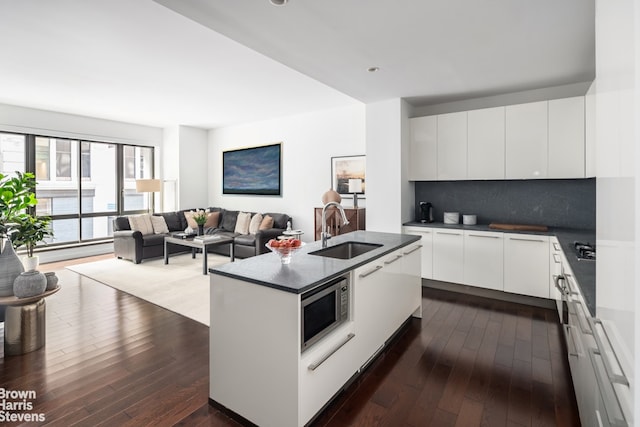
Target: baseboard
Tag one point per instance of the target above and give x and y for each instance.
(490, 293)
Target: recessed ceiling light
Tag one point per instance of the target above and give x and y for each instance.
(278, 2)
(373, 69)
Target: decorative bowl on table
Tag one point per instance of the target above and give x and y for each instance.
(285, 248)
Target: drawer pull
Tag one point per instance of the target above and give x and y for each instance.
(327, 355)
(613, 377)
(612, 408)
(526, 240)
(556, 259)
(556, 247)
(575, 352)
(393, 260)
(579, 307)
(449, 233)
(370, 272)
(486, 236)
(412, 250)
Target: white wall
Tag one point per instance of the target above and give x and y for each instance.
(308, 143)
(194, 179)
(387, 185)
(615, 92)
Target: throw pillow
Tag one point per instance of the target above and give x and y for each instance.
(254, 225)
(159, 224)
(229, 220)
(141, 223)
(212, 220)
(267, 222)
(190, 221)
(242, 223)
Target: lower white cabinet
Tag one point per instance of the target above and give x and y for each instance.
(448, 255)
(526, 264)
(386, 292)
(483, 259)
(426, 253)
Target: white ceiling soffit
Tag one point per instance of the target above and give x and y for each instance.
(139, 62)
(428, 51)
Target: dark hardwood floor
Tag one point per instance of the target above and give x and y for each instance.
(113, 359)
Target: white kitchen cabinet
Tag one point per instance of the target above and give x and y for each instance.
(526, 140)
(485, 143)
(426, 240)
(526, 264)
(566, 138)
(484, 259)
(376, 284)
(452, 146)
(423, 149)
(448, 255)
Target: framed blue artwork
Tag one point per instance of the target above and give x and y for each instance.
(254, 170)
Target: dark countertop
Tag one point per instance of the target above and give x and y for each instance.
(584, 271)
(308, 271)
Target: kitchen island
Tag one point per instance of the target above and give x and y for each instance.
(259, 369)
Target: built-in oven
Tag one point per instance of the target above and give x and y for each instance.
(323, 309)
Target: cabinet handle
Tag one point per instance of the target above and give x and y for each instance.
(584, 329)
(450, 233)
(370, 272)
(616, 378)
(393, 260)
(556, 259)
(314, 365)
(486, 236)
(526, 240)
(571, 290)
(575, 352)
(556, 247)
(608, 402)
(412, 250)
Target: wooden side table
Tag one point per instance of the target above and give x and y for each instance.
(24, 323)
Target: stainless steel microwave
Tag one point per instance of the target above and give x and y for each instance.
(323, 309)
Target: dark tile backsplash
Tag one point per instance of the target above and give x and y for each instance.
(552, 202)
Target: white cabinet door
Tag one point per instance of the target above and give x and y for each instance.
(566, 138)
(452, 146)
(426, 253)
(448, 255)
(526, 140)
(485, 143)
(423, 149)
(484, 259)
(526, 264)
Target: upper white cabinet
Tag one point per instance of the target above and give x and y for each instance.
(526, 141)
(566, 138)
(452, 146)
(423, 149)
(536, 140)
(485, 143)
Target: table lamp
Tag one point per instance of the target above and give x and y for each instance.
(355, 187)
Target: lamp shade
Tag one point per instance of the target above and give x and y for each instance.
(148, 185)
(355, 185)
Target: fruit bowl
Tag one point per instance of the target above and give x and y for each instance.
(285, 248)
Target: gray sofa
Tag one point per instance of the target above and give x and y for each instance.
(133, 245)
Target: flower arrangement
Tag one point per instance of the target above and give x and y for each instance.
(200, 217)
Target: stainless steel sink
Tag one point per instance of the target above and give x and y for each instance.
(346, 250)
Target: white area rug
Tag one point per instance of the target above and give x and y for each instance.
(180, 286)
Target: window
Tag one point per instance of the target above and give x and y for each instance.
(78, 182)
(12, 153)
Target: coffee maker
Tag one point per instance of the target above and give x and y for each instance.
(426, 212)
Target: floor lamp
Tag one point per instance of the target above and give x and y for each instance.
(149, 186)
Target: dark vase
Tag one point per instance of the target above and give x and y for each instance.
(200, 229)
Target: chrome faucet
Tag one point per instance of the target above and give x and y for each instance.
(325, 235)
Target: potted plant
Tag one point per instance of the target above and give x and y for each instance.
(28, 231)
(200, 217)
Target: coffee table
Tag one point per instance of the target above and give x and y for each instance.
(199, 243)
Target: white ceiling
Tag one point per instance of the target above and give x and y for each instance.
(138, 61)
